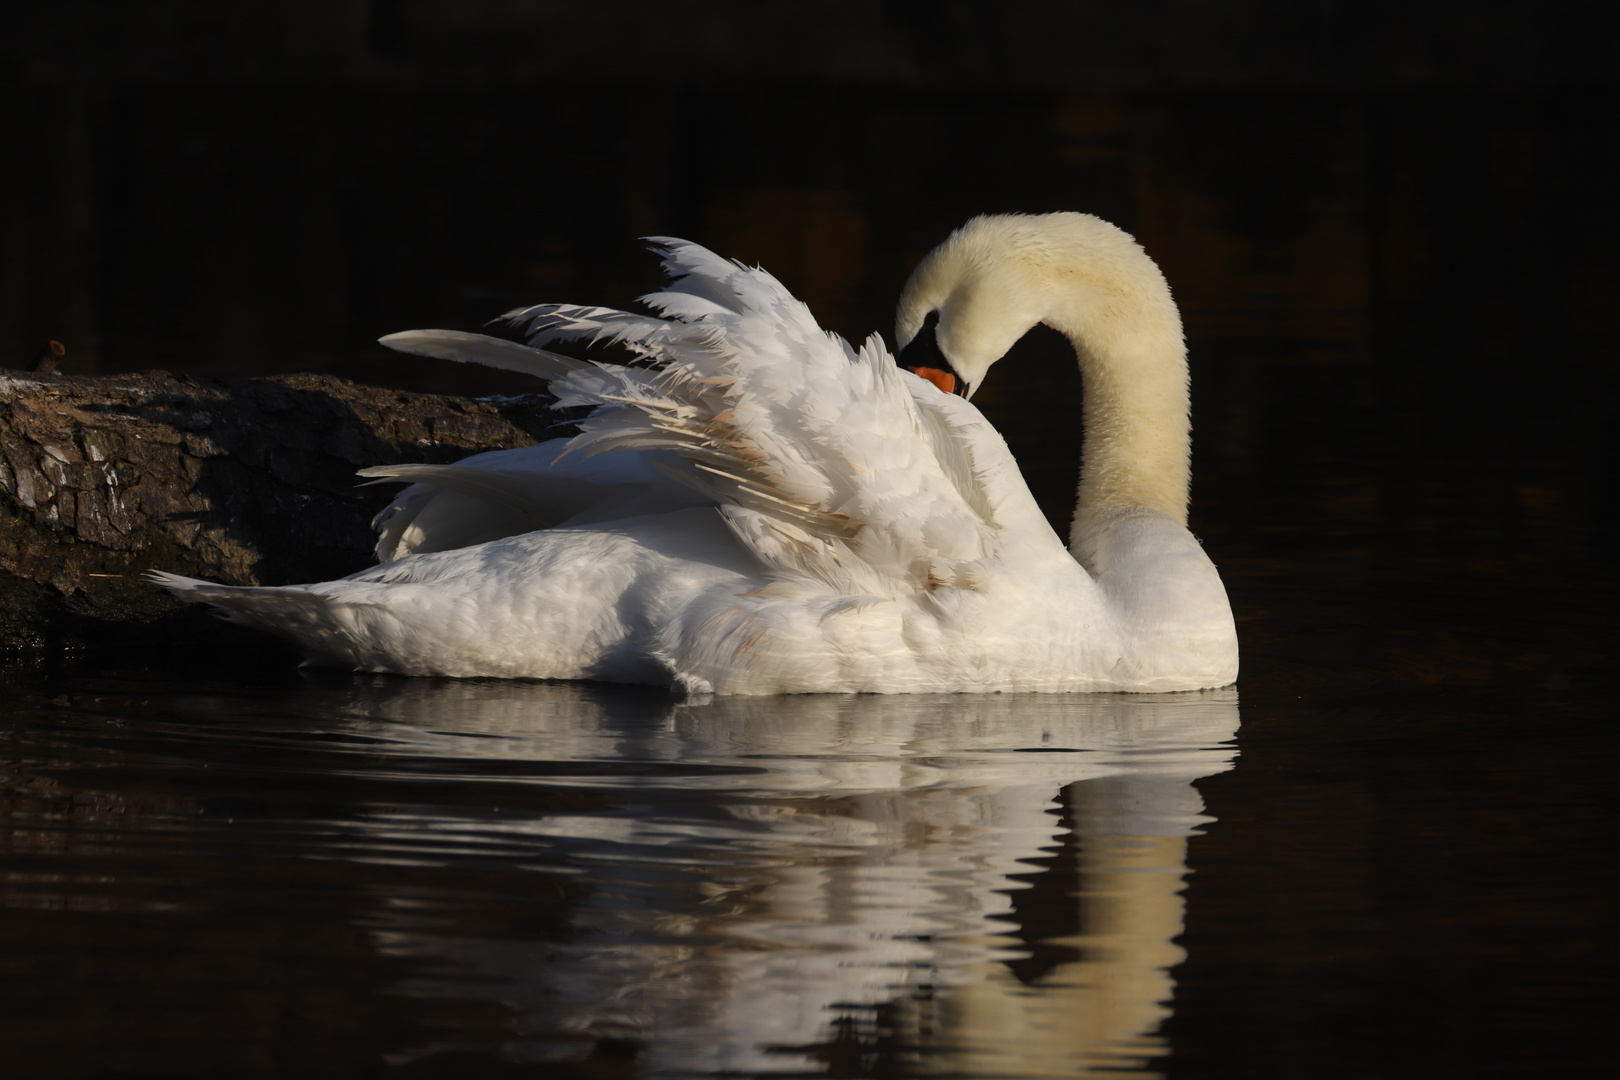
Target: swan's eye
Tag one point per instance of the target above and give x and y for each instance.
(921, 356)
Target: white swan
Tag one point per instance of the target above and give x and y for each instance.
(775, 512)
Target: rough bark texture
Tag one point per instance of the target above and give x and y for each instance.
(247, 482)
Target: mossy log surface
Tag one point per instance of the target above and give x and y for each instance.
(248, 482)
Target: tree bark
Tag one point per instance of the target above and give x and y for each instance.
(249, 482)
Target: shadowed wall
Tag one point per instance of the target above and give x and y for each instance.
(1390, 210)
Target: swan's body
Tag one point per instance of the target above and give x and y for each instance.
(772, 511)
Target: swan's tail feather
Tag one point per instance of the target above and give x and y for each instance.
(483, 349)
(265, 608)
(324, 628)
(190, 589)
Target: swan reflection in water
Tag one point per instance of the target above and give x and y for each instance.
(970, 885)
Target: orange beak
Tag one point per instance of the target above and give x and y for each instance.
(942, 379)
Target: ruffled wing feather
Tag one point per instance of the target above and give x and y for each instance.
(821, 457)
(818, 451)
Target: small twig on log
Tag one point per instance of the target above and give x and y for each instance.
(48, 358)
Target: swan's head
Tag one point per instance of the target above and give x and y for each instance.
(965, 305)
(975, 295)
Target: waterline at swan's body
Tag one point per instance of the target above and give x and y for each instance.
(758, 508)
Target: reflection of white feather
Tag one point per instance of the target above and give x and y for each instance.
(756, 507)
(855, 851)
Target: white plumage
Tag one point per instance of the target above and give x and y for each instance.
(753, 506)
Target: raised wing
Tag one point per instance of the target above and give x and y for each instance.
(826, 461)
(817, 453)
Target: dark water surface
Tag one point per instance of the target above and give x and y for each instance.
(1385, 853)
(337, 873)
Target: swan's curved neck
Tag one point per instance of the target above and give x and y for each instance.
(1137, 438)
(999, 275)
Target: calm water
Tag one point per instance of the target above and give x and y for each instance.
(347, 872)
(1351, 865)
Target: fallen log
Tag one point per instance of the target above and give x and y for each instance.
(245, 481)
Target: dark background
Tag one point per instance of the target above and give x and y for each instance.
(1400, 212)
(1392, 230)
